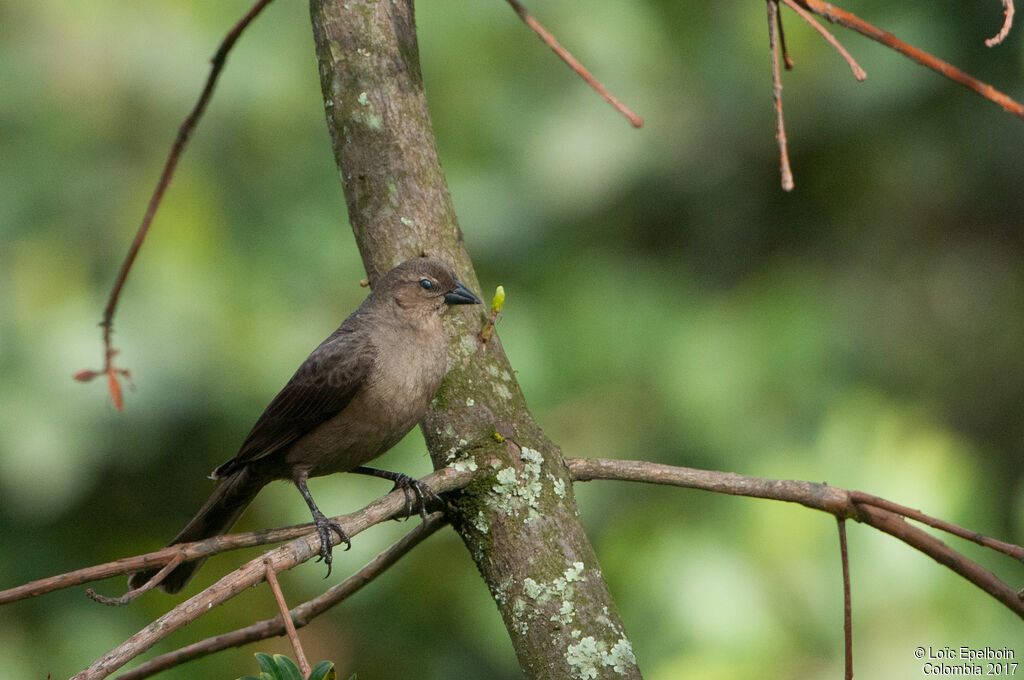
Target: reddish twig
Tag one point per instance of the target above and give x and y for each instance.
(302, 615)
(112, 372)
(780, 123)
(858, 72)
(1007, 25)
(286, 618)
(575, 65)
(847, 607)
(786, 61)
(854, 23)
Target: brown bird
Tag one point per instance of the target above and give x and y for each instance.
(352, 399)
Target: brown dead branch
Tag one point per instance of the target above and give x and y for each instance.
(574, 64)
(855, 23)
(302, 615)
(839, 502)
(780, 122)
(112, 372)
(999, 37)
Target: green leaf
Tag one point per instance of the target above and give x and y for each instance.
(287, 670)
(267, 664)
(323, 671)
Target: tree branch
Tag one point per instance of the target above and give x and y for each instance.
(301, 615)
(573, 63)
(855, 23)
(445, 480)
(253, 572)
(113, 373)
(833, 500)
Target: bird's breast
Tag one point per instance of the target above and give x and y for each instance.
(394, 397)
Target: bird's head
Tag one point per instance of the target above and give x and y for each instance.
(425, 284)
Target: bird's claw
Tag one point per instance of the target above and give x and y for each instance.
(324, 527)
(416, 492)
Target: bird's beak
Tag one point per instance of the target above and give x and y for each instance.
(461, 296)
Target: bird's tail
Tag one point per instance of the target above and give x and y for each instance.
(216, 517)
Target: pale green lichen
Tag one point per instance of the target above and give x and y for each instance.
(589, 655)
(470, 402)
(558, 485)
(465, 465)
(364, 100)
(621, 658)
(406, 221)
(502, 391)
(515, 492)
(480, 521)
(565, 614)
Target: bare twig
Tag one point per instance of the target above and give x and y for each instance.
(132, 594)
(780, 123)
(847, 606)
(252, 573)
(286, 619)
(1007, 25)
(836, 501)
(575, 65)
(302, 615)
(442, 481)
(786, 61)
(112, 372)
(1014, 551)
(855, 23)
(858, 72)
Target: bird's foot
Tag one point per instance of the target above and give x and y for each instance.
(324, 527)
(416, 493)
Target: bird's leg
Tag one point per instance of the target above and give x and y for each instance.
(324, 526)
(413, 488)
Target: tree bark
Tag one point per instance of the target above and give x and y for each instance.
(521, 524)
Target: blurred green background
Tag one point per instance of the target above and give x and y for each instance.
(666, 301)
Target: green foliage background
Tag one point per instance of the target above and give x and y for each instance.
(666, 301)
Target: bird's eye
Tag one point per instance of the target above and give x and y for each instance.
(426, 284)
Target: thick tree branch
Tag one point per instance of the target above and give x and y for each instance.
(520, 523)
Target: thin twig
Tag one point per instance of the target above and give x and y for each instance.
(575, 65)
(858, 72)
(442, 481)
(302, 615)
(855, 23)
(184, 133)
(1007, 25)
(252, 573)
(780, 123)
(847, 607)
(833, 500)
(286, 619)
(132, 594)
(786, 61)
(1014, 551)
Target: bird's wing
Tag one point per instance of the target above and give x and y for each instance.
(321, 388)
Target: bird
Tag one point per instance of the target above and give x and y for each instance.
(356, 395)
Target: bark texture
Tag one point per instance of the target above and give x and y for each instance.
(520, 524)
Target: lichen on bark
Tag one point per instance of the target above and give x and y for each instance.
(520, 523)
